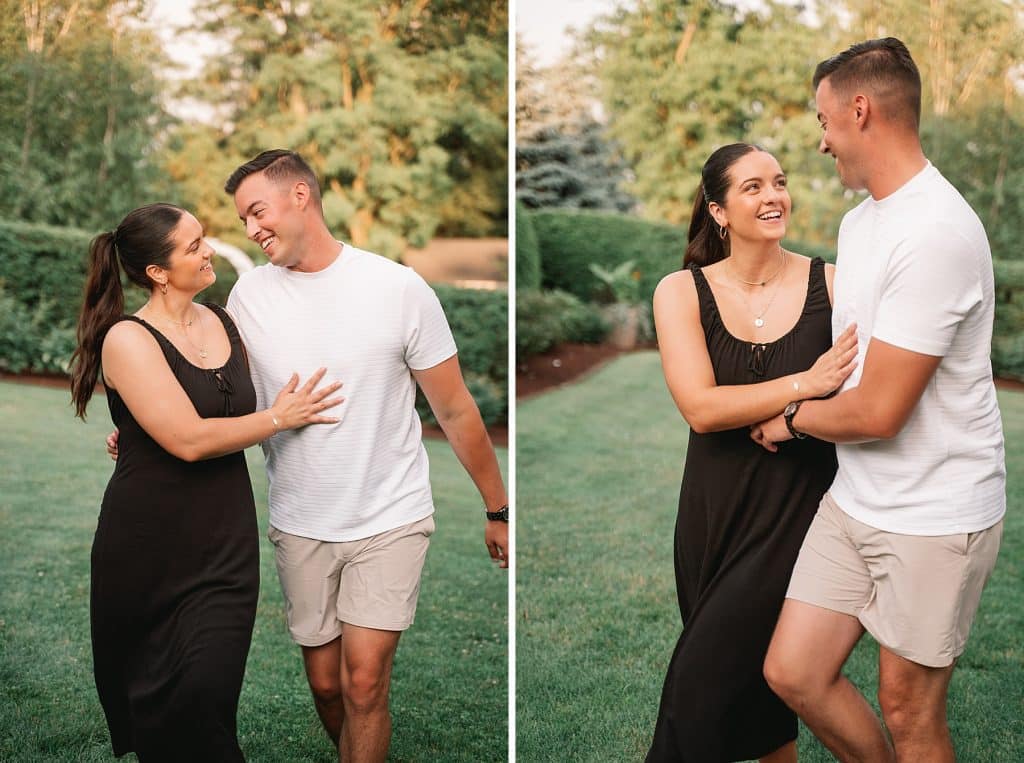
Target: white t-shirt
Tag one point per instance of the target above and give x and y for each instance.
(914, 270)
(369, 321)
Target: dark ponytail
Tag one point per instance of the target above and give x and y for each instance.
(705, 243)
(145, 237)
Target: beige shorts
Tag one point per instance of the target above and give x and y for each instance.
(372, 582)
(917, 595)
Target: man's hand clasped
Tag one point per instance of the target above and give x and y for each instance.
(827, 374)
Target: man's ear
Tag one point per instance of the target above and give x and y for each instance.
(861, 110)
(301, 194)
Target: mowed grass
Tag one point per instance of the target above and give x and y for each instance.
(598, 471)
(449, 691)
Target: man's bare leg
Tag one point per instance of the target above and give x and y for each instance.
(913, 700)
(366, 658)
(804, 667)
(323, 672)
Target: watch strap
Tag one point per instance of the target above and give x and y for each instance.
(501, 515)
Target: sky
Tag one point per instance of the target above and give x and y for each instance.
(542, 24)
(187, 50)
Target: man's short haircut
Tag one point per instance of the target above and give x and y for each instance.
(884, 69)
(279, 165)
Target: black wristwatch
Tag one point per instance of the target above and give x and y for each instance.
(788, 414)
(501, 515)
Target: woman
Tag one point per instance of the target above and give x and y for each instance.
(175, 559)
(743, 331)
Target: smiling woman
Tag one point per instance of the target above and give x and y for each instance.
(745, 329)
(175, 559)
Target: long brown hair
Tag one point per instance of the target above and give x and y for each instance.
(145, 237)
(705, 244)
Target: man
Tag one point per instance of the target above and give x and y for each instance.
(908, 534)
(351, 510)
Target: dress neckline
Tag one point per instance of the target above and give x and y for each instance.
(216, 311)
(815, 262)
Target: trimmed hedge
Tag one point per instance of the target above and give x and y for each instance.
(42, 272)
(1008, 331)
(569, 241)
(479, 323)
(528, 274)
(547, 318)
(43, 264)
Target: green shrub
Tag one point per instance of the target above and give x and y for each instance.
(1008, 331)
(43, 263)
(30, 339)
(479, 322)
(528, 267)
(547, 318)
(570, 241)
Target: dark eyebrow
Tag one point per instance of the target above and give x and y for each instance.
(202, 235)
(248, 209)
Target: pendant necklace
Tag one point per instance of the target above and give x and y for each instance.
(759, 316)
(183, 326)
(782, 264)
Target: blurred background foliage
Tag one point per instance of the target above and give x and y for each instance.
(400, 107)
(611, 138)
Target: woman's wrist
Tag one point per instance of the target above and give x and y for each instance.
(274, 420)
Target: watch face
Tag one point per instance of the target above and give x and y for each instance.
(790, 410)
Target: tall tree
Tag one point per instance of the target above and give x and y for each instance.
(83, 112)
(564, 157)
(679, 80)
(399, 106)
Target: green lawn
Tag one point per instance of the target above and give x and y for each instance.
(598, 470)
(449, 694)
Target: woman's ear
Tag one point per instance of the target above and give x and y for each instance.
(718, 215)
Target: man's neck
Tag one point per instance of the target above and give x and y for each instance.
(897, 163)
(322, 250)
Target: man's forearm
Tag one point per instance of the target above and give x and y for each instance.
(468, 438)
(848, 417)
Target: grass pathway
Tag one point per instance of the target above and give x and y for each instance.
(599, 465)
(449, 694)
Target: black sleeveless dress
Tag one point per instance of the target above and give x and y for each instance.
(175, 578)
(743, 513)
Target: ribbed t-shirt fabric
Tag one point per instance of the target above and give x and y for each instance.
(915, 271)
(370, 322)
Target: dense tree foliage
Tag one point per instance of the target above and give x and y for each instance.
(82, 113)
(564, 157)
(401, 108)
(678, 80)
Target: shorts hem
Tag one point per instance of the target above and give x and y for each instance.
(315, 641)
(394, 625)
(804, 599)
(932, 661)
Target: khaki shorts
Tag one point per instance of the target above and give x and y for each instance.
(372, 582)
(917, 595)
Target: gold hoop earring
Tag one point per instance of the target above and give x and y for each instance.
(722, 232)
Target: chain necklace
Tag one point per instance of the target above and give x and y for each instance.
(183, 327)
(759, 316)
(782, 264)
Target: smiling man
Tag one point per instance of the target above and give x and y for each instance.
(904, 541)
(351, 509)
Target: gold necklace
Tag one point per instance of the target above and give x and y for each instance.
(759, 317)
(782, 264)
(183, 326)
